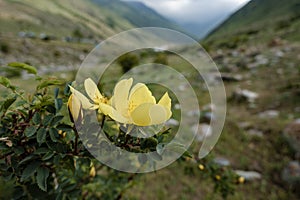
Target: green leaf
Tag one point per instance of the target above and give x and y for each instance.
(47, 83)
(26, 159)
(53, 134)
(36, 118)
(7, 103)
(6, 83)
(47, 119)
(41, 150)
(56, 119)
(58, 104)
(30, 169)
(56, 92)
(41, 178)
(48, 155)
(41, 135)
(30, 131)
(28, 68)
(64, 127)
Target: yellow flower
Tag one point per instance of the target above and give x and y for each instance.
(74, 106)
(241, 179)
(201, 167)
(128, 105)
(99, 102)
(92, 171)
(218, 177)
(137, 106)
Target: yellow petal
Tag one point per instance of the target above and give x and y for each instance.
(84, 101)
(74, 107)
(120, 97)
(140, 116)
(105, 109)
(166, 102)
(115, 115)
(158, 114)
(92, 89)
(140, 95)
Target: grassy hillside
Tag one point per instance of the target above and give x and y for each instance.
(136, 13)
(59, 18)
(266, 15)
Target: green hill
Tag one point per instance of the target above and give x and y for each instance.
(269, 16)
(95, 19)
(136, 13)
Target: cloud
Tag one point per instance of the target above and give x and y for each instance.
(192, 11)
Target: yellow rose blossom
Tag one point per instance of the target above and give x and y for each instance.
(129, 105)
(99, 102)
(74, 106)
(201, 167)
(137, 106)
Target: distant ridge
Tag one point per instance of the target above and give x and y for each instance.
(256, 15)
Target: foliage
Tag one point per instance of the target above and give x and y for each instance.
(42, 157)
(161, 58)
(4, 47)
(127, 61)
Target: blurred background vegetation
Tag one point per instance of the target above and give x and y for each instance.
(256, 50)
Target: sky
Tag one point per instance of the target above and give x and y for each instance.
(201, 15)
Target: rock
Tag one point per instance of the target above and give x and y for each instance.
(279, 54)
(207, 117)
(201, 130)
(269, 114)
(291, 175)
(230, 77)
(193, 113)
(177, 106)
(259, 61)
(292, 135)
(276, 42)
(255, 132)
(222, 161)
(244, 125)
(249, 175)
(244, 95)
(182, 87)
(172, 122)
(209, 107)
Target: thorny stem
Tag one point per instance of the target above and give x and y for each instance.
(76, 140)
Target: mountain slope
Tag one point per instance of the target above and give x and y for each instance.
(59, 18)
(258, 14)
(136, 13)
(95, 19)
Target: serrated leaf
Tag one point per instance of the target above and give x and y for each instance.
(28, 68)
(36, 118)
(30, 169)
(56, 92)
(26, 159)
(7, 103)
(6, 83)
(41, 178)
(48, 155)
(58, 104)
(51, 109)
(155, 156)
(30, 131)
(41, 135)
(64, 127)
(47, 119)
(56, 119)
(41, 150)
(176, 147)
(53, 134)
(52, 82)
